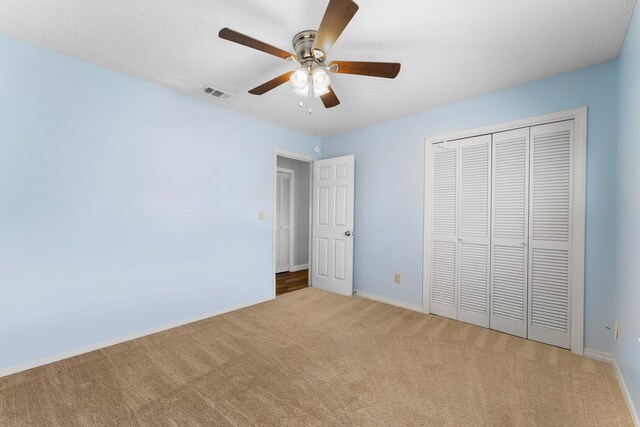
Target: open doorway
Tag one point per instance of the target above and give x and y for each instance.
(292, 222)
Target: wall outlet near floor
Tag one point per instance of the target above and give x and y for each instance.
(397, 278)
(615, 330)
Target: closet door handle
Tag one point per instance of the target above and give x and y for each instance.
(524, 243)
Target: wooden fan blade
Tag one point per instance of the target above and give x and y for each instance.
(236, 37)
(330, 99)
(335, 20)
(387, 70)
(271, 84)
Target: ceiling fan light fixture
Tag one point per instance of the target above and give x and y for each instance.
(321, 80)
(300, 79)
(311, 48)
(302, 92)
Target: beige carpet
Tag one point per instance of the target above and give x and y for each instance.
(315, 358)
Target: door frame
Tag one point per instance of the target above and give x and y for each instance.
(579, 115)
(274, 202)
(292, 204)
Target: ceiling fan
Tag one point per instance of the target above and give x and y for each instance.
(311, 49)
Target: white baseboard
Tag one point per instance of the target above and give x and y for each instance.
(608, 357)
(71, 353)
(299, 267)
(602, 356)
(389, 301)
(627, 396)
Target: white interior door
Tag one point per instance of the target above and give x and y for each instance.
(333, 204)
(474, 231)
(551, 217)
(510, 190)
(444, 241)
(284, 219)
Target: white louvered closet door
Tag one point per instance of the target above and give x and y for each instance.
(444, 229)
(474, 230)
(551, 209)
(510, 217)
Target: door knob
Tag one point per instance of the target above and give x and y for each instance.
(347, 233)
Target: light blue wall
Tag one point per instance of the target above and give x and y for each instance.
(119, 206)
(627, 307)
(390, 184)
(123, 206)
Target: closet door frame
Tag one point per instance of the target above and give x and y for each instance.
(579, 115)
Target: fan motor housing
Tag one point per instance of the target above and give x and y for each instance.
(303, 46)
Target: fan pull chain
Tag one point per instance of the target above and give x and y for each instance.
(310, 93)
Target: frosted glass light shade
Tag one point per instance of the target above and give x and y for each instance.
(321, 80)
(302, 92)
(300, 79)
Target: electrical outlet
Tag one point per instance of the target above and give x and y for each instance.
(615, 330)
(397, 278)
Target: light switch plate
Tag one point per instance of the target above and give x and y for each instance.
(397, 278)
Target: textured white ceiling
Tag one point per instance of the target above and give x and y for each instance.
(449, 50)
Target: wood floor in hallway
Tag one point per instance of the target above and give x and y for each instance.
(291, 281)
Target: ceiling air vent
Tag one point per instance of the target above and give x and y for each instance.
(216, 93)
